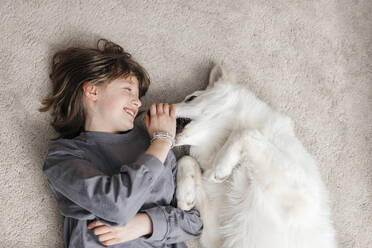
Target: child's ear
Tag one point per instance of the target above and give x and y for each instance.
(90, 91)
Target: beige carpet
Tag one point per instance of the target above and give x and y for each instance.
(308, 59)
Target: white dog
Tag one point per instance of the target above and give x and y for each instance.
(252, 180)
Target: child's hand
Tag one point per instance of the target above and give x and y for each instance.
(162, 119)
(110, 235)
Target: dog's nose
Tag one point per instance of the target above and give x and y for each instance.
(181, 123)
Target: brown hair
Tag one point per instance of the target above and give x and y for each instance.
(74, 66)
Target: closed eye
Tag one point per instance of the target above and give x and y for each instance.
(190, 99)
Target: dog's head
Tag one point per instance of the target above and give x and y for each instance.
(205, 112)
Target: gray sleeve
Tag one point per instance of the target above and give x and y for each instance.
(171, 224)
(114, 200)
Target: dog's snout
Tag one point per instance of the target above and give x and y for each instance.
(181, 123)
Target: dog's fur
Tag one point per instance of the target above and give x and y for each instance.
(252, 180)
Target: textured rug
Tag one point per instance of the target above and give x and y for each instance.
(308, 59)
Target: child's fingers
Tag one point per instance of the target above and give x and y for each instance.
(147, 121)
(159, 108)
(153, 110)
(113, 241)
(172, 110)
(106, 236)
(95, 224)
(100, 230)
(166, 108)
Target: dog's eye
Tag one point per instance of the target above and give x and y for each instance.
(190, 99)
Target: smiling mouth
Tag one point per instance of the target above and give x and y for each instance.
(181, 123)
(131, 115)
(130, 112)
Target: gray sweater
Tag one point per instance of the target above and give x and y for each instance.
(109, 177)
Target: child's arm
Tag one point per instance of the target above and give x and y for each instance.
(139, 226)
(171, 224)
(114, 200)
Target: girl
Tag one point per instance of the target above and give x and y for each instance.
(113, 181)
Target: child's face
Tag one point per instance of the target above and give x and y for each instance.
(116, 106)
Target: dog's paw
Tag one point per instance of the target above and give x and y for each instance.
(214, 177)
(187, 174)
(186, 195)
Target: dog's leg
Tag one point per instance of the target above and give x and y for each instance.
(188, 181)
(226, 159)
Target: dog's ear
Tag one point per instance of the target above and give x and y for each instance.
(217, 73)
